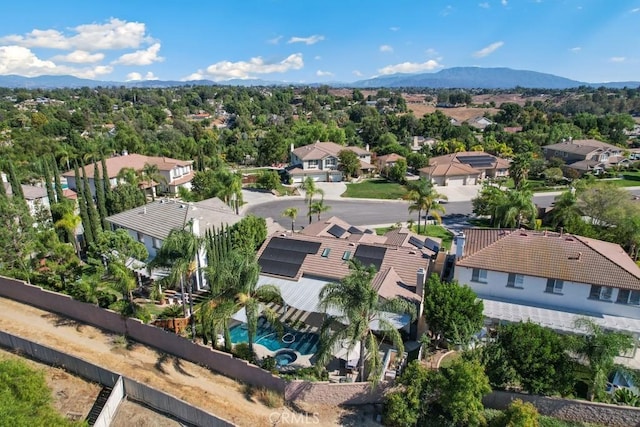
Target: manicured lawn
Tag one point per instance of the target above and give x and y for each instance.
(430, 230)
(375, 189)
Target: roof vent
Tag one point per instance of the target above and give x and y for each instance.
(181, 206)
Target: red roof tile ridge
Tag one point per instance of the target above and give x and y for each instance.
(596, 246)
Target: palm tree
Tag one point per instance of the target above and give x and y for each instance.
(150, 174)
(129, 176)
(70, 223)
(517, 208)
(360, 306)
(425, 198)
(566, 212)
(291, 213)
(519, 169)
(310, 189)
(179, 252)
(214, 316)
(250, 295)
(318, 207)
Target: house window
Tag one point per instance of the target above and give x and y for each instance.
(313, 164)
(515, 281)
(331, 161)
(603, 293)
(157, 243)
(140, 237)
(479, 275)
(625, 296)
(346, 255)
(554, 286)
(326, 252)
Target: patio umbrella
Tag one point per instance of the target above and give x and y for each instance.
(346, 350)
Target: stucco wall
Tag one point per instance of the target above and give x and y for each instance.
(334, 393)
(575, 296)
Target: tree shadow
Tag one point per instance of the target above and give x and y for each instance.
(177, 365)
(163, 357)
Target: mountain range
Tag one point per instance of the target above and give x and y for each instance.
(457, 77)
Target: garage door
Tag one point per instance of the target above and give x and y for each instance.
(456, 181)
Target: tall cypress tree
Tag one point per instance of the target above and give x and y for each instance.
(100, 197)
(96, 225)
(82, 204)
(47, 181)
(16, 188)
(3, 191)
(107, 185)
(56, 179)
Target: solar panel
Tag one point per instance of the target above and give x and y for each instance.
(354, 230)
(294, 245)
(336, 231)
(368, 231)
(478, 161)
(278, 268)
(416, 242)
(370, 255)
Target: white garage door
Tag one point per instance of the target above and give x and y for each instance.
(456, 181)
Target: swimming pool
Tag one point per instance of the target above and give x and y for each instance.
(302, 342)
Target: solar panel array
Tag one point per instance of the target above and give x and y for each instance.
(284, 257)
(354, 230)
(336, 231)
(416, 242)
(370, 255)
(481, 160)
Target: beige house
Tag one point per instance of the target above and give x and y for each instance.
(464, 168)
(177, 173)
(320, 161)
(387, 161)
(587, 155)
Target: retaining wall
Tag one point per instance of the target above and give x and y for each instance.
(570, 410)
(334, 393)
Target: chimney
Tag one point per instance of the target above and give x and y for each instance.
(421, 277)
(291, 148)
(579, 256)
(460, 242)
(144, 210)
(367, 147)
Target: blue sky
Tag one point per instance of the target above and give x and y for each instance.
(304, 41)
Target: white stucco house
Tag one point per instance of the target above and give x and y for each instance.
(151, 224)
(550, 278)
(320, 161)
(176, 173)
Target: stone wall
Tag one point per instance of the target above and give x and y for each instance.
(570, 410)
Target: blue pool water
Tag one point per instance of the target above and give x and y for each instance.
(302, 342)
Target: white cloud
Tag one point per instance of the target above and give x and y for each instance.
(357, 73)
(431, 52)
(275, 40)
(137, 76)
(22, 61)
(488, 50)
(576, 49)
(504, 2)
(617, 59)
(410, 67)
(484, 5)
(386, 48)
(317, 57)
(79, 57)
(394, 28)
(306, 40)
(636, 10)
(141, 57)
(225, 70)
(321, 73)
(115, 34)
(447, 10)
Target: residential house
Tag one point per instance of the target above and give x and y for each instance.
(177, 173)
(151, 224)
(550, 278)
(418, 141)
(587, 155)
(320, 161)
(464, 168)
(301, 264)
(35, 196)
(387, 161)
(479, 122)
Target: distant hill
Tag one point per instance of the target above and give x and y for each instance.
(458, 77)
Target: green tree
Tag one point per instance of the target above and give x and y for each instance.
(407, 406)
(398, 172)
(599, 348)
(319, 207)
(268, 180)
(291, 213)
(359, 305)
(101, 200)
(453, 312)
(152, 178)
(521, 414)
(69, 223)
(537, 355)
(519, 169)
(517, 208)
(248, 234)
(310, 190)
(349, 163)
(425, 199)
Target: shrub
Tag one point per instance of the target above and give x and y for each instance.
(269, 398)
(521, 414)
(242, 351)
(269, 364)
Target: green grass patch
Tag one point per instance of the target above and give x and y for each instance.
(448, 359)
(375, 189)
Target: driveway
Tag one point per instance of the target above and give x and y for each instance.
(459, 193)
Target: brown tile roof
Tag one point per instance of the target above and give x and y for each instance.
(581, 146)
(449, 169)
(552, 255)
(393, 157)
(31, 192)
(404, 262)
(320, 150)
(135, 161)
